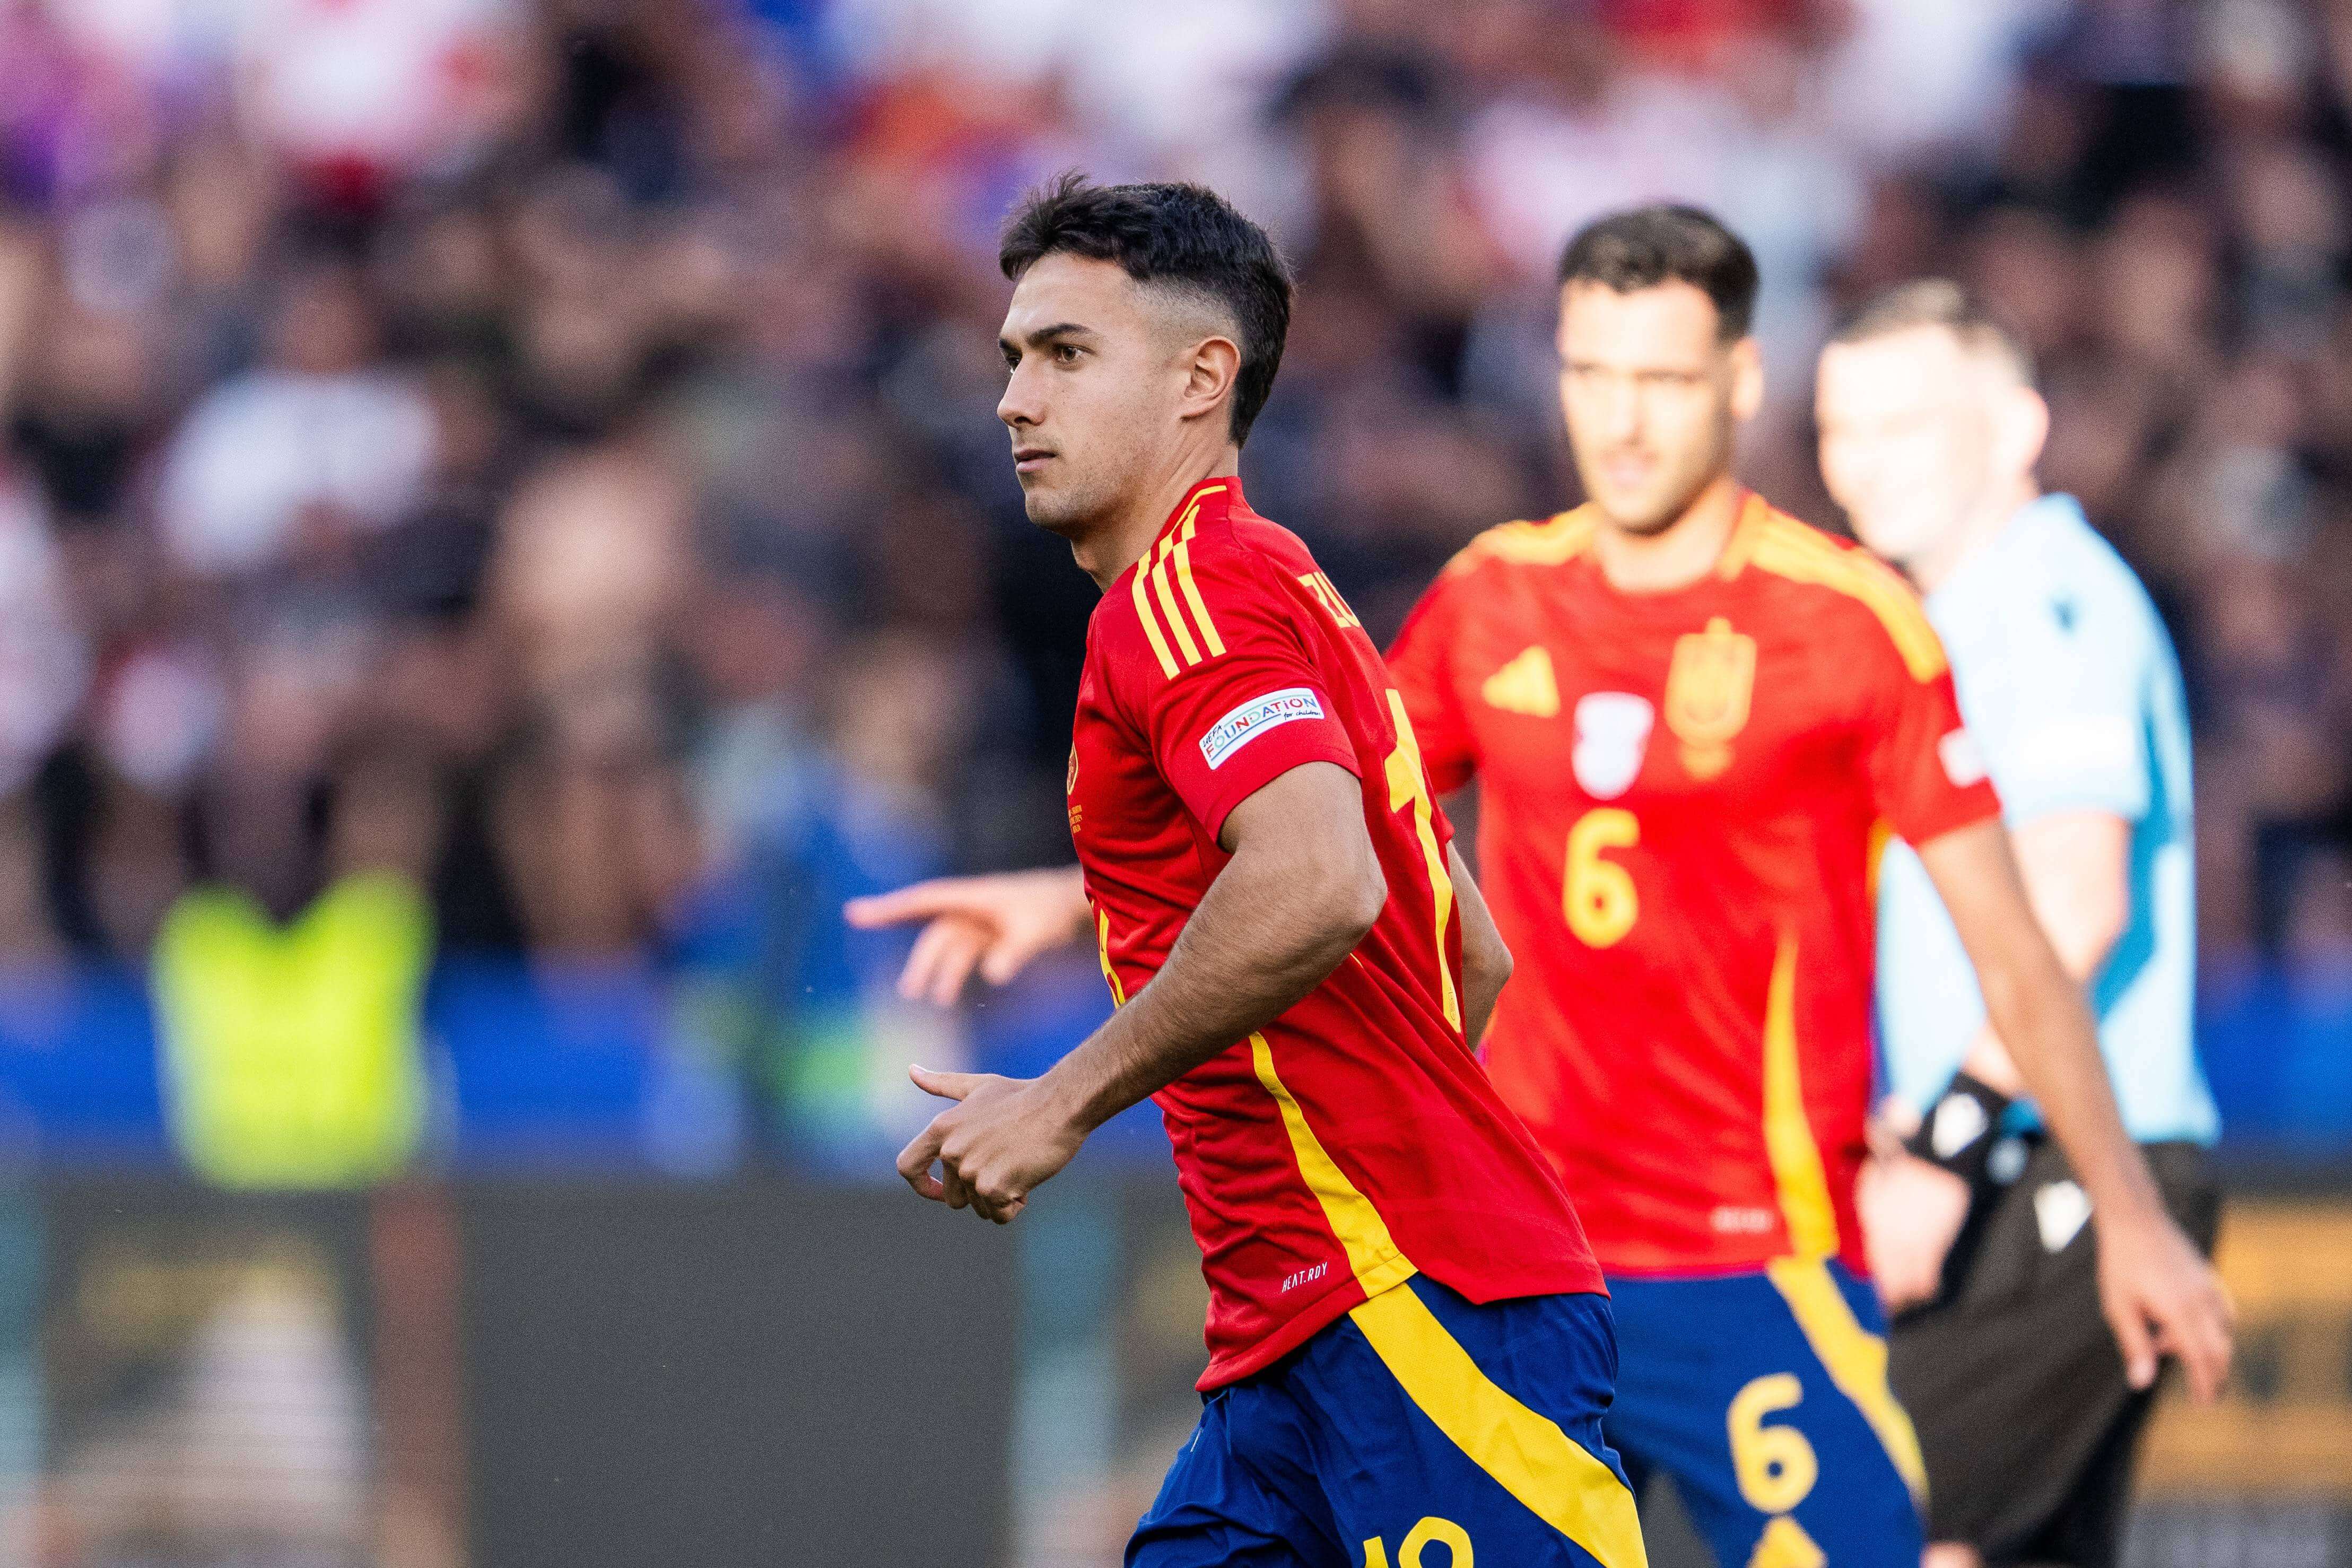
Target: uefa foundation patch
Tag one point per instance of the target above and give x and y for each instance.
(1255, 717)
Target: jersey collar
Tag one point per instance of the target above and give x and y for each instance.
(1211, 497)
(1754, 513)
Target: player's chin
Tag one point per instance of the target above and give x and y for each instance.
(1641, 513)
(1049, 506)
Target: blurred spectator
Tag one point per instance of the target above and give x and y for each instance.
(540, 452)
(296, 457)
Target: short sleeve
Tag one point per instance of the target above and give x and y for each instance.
(1238, 699)
(2075, 737)
(1421, 663)
(1928, 773)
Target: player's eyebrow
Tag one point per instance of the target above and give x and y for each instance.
(1045, 335)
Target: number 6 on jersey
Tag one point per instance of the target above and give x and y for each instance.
(1598, 896)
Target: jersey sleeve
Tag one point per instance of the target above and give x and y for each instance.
(1420, 662)
(2075, 735)
(1927, 775)
(1224, 681)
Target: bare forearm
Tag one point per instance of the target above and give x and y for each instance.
(2055, 1055)
(2036, 1011)
(2076, 866)
(1263, 937)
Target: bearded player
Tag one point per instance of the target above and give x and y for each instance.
(1689, 715)
(1409, 1345)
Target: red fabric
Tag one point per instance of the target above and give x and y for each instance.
(1638, 1062)
(1384, 1082)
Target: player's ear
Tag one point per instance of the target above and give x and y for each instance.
(1747, 379)
(1208, 373)
(2021, 428)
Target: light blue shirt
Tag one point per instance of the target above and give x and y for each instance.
(2069, 684)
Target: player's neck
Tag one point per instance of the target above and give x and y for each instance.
(1119, 541)
(1676, 555)
(1932, 569)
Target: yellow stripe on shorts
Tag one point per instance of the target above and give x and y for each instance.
(1856, 1358)
(1549, 1472)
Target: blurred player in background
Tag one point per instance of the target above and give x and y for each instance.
(1930, 429)
(1409, 1342)
(1689, 713)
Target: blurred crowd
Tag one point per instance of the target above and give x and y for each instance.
(542, 451)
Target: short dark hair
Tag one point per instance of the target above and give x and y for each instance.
(1667, 242)
(1182, 236)
(1937, 302)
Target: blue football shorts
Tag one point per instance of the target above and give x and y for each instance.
(1764, 1395)
(1420, 1431)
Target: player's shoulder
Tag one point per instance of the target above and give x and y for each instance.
(2059, 556)
(1528, 544)
(1248, 550)
(1217, 575)
(1839, 579)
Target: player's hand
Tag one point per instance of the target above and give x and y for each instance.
(996, 924)
(2163, 1298)
(1002, 1137)
(1912, 1211)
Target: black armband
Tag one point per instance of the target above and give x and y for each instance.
(1961, 1129)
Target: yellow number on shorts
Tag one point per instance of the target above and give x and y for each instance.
(1785, 1544)
(1430, 1532)
(1599, 895)
(1409, 786)
(1775, 1463)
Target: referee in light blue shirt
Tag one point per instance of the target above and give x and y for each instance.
(1930, 431)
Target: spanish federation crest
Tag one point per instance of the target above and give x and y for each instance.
(1707, 692)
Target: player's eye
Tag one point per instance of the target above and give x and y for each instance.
(1066, 353)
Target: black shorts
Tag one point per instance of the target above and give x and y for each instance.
(2013, 1380)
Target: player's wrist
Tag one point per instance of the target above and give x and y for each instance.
(2130, 1202)
(1073, 1097)
(1959, 1132)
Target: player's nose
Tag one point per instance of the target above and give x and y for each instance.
(1622, 415)
(1020, 407)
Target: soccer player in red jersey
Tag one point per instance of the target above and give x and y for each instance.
(1691, 718)
(1410, 1344)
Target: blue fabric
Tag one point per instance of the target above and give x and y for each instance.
(1688, 1348)
(1307, 1463)
(2068, 681)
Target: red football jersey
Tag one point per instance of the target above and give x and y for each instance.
(1678, 822)
(1355, 1140)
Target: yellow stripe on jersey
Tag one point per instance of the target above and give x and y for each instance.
(1548, 1471)
(1882, 833)
(1409, 784)
(1184, 575)
(1786, 548)
(1855, 1357)
(1102, 946)
(1152, 626)
(1372, 1254)
(1788, 1146)
(1191, 591)
(1552, 542)
(1168, 603)
(1528, 1454)
(1175, 549)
